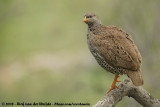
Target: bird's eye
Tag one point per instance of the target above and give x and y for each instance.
(88, 16)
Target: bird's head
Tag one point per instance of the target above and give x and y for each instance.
(91, 19)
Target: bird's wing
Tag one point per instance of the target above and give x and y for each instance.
(118, 48)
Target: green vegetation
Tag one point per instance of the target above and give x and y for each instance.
(44, 55)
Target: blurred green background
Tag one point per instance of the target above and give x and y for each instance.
(44, 54)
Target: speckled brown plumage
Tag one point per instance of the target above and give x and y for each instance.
(113, 49)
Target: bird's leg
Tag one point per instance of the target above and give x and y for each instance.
(113, 84)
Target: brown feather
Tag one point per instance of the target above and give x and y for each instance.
(117, 48)
(136, 77)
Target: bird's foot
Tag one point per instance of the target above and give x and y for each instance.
(113, 84)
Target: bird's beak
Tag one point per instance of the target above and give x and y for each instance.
(85, 19)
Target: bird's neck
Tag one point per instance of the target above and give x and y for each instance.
(93, 27)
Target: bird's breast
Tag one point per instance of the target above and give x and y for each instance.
(99, 58)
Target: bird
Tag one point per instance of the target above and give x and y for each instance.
(114, 50)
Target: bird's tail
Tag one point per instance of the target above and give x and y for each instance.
(136, 77)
